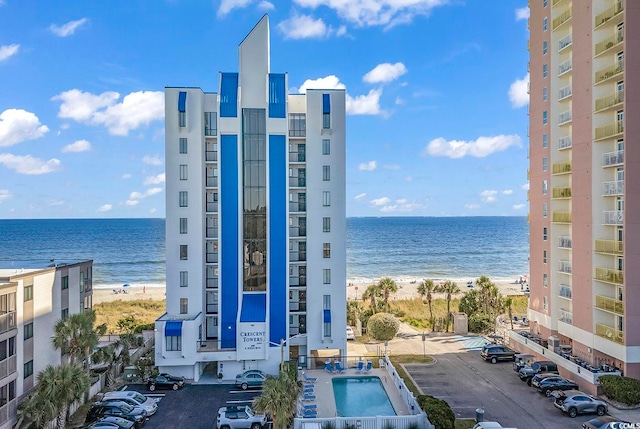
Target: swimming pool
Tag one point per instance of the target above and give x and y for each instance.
(361, 397)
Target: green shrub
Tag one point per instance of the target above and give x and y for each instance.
(438, 411)
(382, 326)
(621, 389)
(147, 327)
(480, 322)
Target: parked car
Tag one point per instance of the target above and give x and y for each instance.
(118, 409)
(163, 382)
(521, 360)
(241, 417)
(547, 383)
(350, 334)
(112, 422)
(172, 377)
(250, 378)
(574, 402)
(495, 352)
(133, 398)
(603, 422)
(526, 373)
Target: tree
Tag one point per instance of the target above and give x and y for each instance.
(76, 336)
(371, 294)
(279, 399)
(36, 410)
(449, 288)
(426, 288)
(383, 326)
(470, 303)
(354, 312)
(387, 286)
(508, 303)
(485, 286)
(440, 413)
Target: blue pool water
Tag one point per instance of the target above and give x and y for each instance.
(361, 397)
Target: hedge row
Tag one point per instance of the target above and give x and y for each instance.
(621, 389)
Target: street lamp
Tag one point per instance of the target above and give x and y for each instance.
(282, 343)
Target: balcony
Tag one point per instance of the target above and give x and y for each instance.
(297, 306)
(613, 217)
(563, 192)
(609, 42)
(211, 155)
(610, 101)
(297, 181)
(565, 292)
(208, 132)
(564, 142)
(297, 231)
(561, 168)
(211, 207)
(212, 282)
(609, 13)
(564, 267)
(609, 275)
(611, 159)
(613, 247)
(565, 316)
(8, 366)
(609, 304)
(7, 321)
(297, 206)
(556, 2)
(212, 257)
(297, 281)
(610, 72)
(564, 117)
(615, 187)
(610, 130)
(565, 67)
(610, 333)
(563, 18)
(209, 346)
(300, 256)
(561, 217)
(211, 232)
(564, 242)
(211, 182)
(297, 156)
(564, 92)
(212, 308)
(565, 42)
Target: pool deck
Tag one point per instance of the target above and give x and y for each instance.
(323, 391)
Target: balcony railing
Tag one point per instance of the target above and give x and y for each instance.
(565, 42)
(212, 182)
(565, 316)
(561, 192)
(212, 308)
(210, 132)
(615, 187)
(565, 291)
(297, 182)
(613, 217)
(297, 306)
(300, 256)
(564, 242)
(564, 17)
(609, 275)
(208, 346)
(212, 232)
(609, 72)
(564, 267)
(610, 42)
(564, 117)
(297, 157)
(8, 366)
(297, 281)
(555, 2)
(7, 321)
(212, 207)
(609, 101)
(564, 142)
(211, 155)
(561, 167)
(609, 304)
(565, 66)
(614, 247)
(212, 257)
(561, 217)
(609, 130)
(609, 13)
(212, 282)
(296, 206)
(297, 231)
(613, 158)
(610, 333)
(564, 92)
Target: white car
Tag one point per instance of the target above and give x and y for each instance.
(350, 334)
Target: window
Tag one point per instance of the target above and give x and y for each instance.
(544, 303)
(326, 120)
(182, 118)
(28, 330)
(545, 24)
(184, 198)
(545, 119)
(544, 210)
(545, 70)
(183, 145)
(326, 276)
(545, 187)
(210, 124)
(64, 314)
(326, 173)
(182, 109)
(326, 111)
(326, 316)
(545, 280)
(174, 343)
(544, 233)
(326, 147)
(28, 369)
(184, 305)
(544, 163)
(326, 224)
(545, 47)
(545, 140)
(28, 293)
(183, 225)
(544, 3)
(545, 93)
(297, 125)
(184, 252)
(64, 284)
(183, 172)
(326, 250)
(544, 257)
(326, 198)
(184, 278)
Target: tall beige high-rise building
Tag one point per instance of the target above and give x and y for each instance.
(584, 195)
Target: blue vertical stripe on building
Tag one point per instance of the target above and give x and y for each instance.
(326, 103)
(278, 248)
(182, 101)
(229, 200)
(229, 95)
(277, 95)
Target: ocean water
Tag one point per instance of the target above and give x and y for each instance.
(133, 250)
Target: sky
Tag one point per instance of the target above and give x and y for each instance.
(436, 98)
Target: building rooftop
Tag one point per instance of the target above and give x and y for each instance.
(10, 268)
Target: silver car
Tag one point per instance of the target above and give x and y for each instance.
(241, 417)
(574, 402)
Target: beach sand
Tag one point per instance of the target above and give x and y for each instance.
(155, 293)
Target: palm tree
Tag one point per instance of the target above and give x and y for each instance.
(37, 410)
(427, 288)
(387, 286)
(508, 302)
(371, 293)
(449, 288)
(485, 291)
(279, 398)
(62, 385)
(76, 336)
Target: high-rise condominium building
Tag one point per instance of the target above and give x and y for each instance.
(255, 235)
(584, 194)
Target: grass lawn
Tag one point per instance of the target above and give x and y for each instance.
(144, 312)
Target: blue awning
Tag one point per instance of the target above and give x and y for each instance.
(173, 329)
(182, 101)
(254, 307)
(327, 316)
(326, 103)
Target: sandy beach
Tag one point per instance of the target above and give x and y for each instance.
(155, 293)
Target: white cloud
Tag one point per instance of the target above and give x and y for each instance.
(391, 167)
(471, 206)
(384, 73)
(507, 192)
(152, 160)
(399, 101)
(29, 165)
(360, 105)
(525, 187)
(135, 110)
(360, 196)
(401, 201)
(67, 29)
(126, 176)
(367, 166)
(152, 211)
(522, 13)
(227, 6)
(518, 92)
(489, 196)
(131, 202)
(328, 82)
(341, 31)
(519, 206)
(152, 191)
(135, 197)
(401, 206)
(303, 27)
(266, 5)
(380, 201)
(77, 146)
(17, 125)
(105, 208)
(481, 147)
(5, 195)
(154, 180)
(7, 51)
